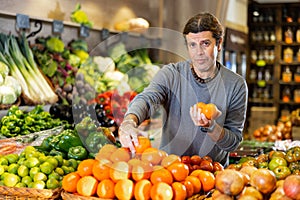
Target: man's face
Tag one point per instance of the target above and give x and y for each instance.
(202, 49)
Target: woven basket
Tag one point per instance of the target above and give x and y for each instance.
(14, 193)
(68, 196)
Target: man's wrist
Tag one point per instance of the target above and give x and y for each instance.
(210, 128)
(129, 121)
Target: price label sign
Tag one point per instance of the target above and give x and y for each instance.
(23, 21)
(84, 31)
(58, 26)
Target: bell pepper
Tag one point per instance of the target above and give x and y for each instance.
(95, 140)
(77, 153)
(46, 143)
(67, 139)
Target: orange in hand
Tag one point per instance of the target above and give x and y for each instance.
(144, 143)
(209, 110)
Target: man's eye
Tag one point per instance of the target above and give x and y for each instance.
(205, 44)
(192, 44)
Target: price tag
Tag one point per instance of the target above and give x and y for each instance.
(58, 26)
(84, 31)
(23, 21)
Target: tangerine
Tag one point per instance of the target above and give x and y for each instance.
(119, 170)
(152, 155)
(207, 180)
(196, 183)
(101, 169)
(170, 159)
(87, 186)
(189, 188)
(161, 190)
(85, 167)
(124, 189)
(144, 143)
(179, 171)
(179, 191)
(209, 110)
(161, 175)
(141, 171)
(142, 189)
(121, 154)
(69, 182)
(105, 189)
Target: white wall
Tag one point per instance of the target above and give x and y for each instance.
(236, 16)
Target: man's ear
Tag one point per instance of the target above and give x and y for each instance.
(220, 44)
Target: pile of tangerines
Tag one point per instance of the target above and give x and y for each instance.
(149, 174)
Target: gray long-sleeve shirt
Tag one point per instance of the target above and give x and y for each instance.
(174, 89)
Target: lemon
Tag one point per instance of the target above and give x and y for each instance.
(46, 167)
(26, 180)
(3, 161)
(12, 158)
(40, 176)
(38, 184)
(32, 162)
(53, 161)
(13, 168)
(52, 183)
(33, 171)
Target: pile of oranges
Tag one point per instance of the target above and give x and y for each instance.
(149, 174)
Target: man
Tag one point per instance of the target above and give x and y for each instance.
(178, 87)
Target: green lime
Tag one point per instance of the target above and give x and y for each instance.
(60, 159)
(60, 171)
(46, 167)
(21, 161)
(52, 183)
(11, 180)
(23, 171)
(26, 180)
(32, 162)
(3, 161)
(33, 171)
(43, 158)
(40, 176)
(38, 184)
(54, 175)
(13, 168)
(12, 158)
(2, 169)
(53, 161)
(3, 175)
(20, 184)
(22, 154)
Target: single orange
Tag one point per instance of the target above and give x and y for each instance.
(161, 191)
(179, 191)
(196, 183)
(209, 110)
(152, 155)
(142, 189)
(124, 189)
(106, 151)
(207, 180)
(85, 167)
(201, 105)
(141, 171)
(105, 189)
(87, 186)
(179, 171)
(195, 172)
(161, 175)
(144, 143)
(189, 188)
(119, 170)
(121, 154)
(69, 182)
(170, 159)
(101, 169)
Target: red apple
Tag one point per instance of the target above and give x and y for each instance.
(206, 165)
(291, 186)
(217, 166)
(195, 160)
(186, 159)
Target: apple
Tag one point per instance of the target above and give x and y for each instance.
(281, 172)
(277, 161)
(291, 186)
